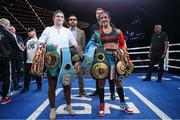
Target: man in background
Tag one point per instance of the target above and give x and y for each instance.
(8, 44)
(81, 40)
(17, 60)
(157, 52)
(31, 46)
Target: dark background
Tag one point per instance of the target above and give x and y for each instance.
(124, 13)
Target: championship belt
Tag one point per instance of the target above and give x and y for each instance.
(89, 58)
(100, 69)
(38, 60)
(124, 66)
(52, 60)
(67, 70)
(76, 59)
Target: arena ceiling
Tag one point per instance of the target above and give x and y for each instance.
(123, 12)
(38, 13)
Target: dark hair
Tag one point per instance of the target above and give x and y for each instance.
(106, 12)
(99, 9)
(56, 12)
(29, 29)
(72, 15)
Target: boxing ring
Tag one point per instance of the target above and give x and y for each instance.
(149, 100)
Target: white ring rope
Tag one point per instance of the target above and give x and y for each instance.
(175, 60)
(167, 59)
(174, 51)
(139, 60)
(175, 44)
(143, 66)
(170, 66)
(138, 52)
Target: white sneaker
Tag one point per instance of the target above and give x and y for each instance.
(125, 108)
(70, 110)
(52, 115)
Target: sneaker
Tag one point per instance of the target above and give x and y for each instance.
(70, 110)
(52, 115)
(101, 111)
(158, 80)
(146, 79)
(82, 94)
(126, 109)
(15, 88)
(24, 90)
(94, 93)
(38, 90)
(19, 86)
(5, 100)
(113, 97)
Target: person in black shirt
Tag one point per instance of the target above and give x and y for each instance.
(16, 61)
(157, 52)
(8, 44)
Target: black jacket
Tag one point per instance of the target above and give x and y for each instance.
(19, 54)
(7, 44)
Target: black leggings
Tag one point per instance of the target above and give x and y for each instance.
(5, 76)
(119, 87)
(52, 81)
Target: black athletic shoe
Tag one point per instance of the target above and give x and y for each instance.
(146, 79)
(158, 80)
(94, 93)
(82, 94)
(24, 90)
(113, 97)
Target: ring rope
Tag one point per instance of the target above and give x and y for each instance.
(174, 51)
(139, 60)
(166, 65)
(171, 66)
(175, 60)
(174, 44)
(138, 52)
